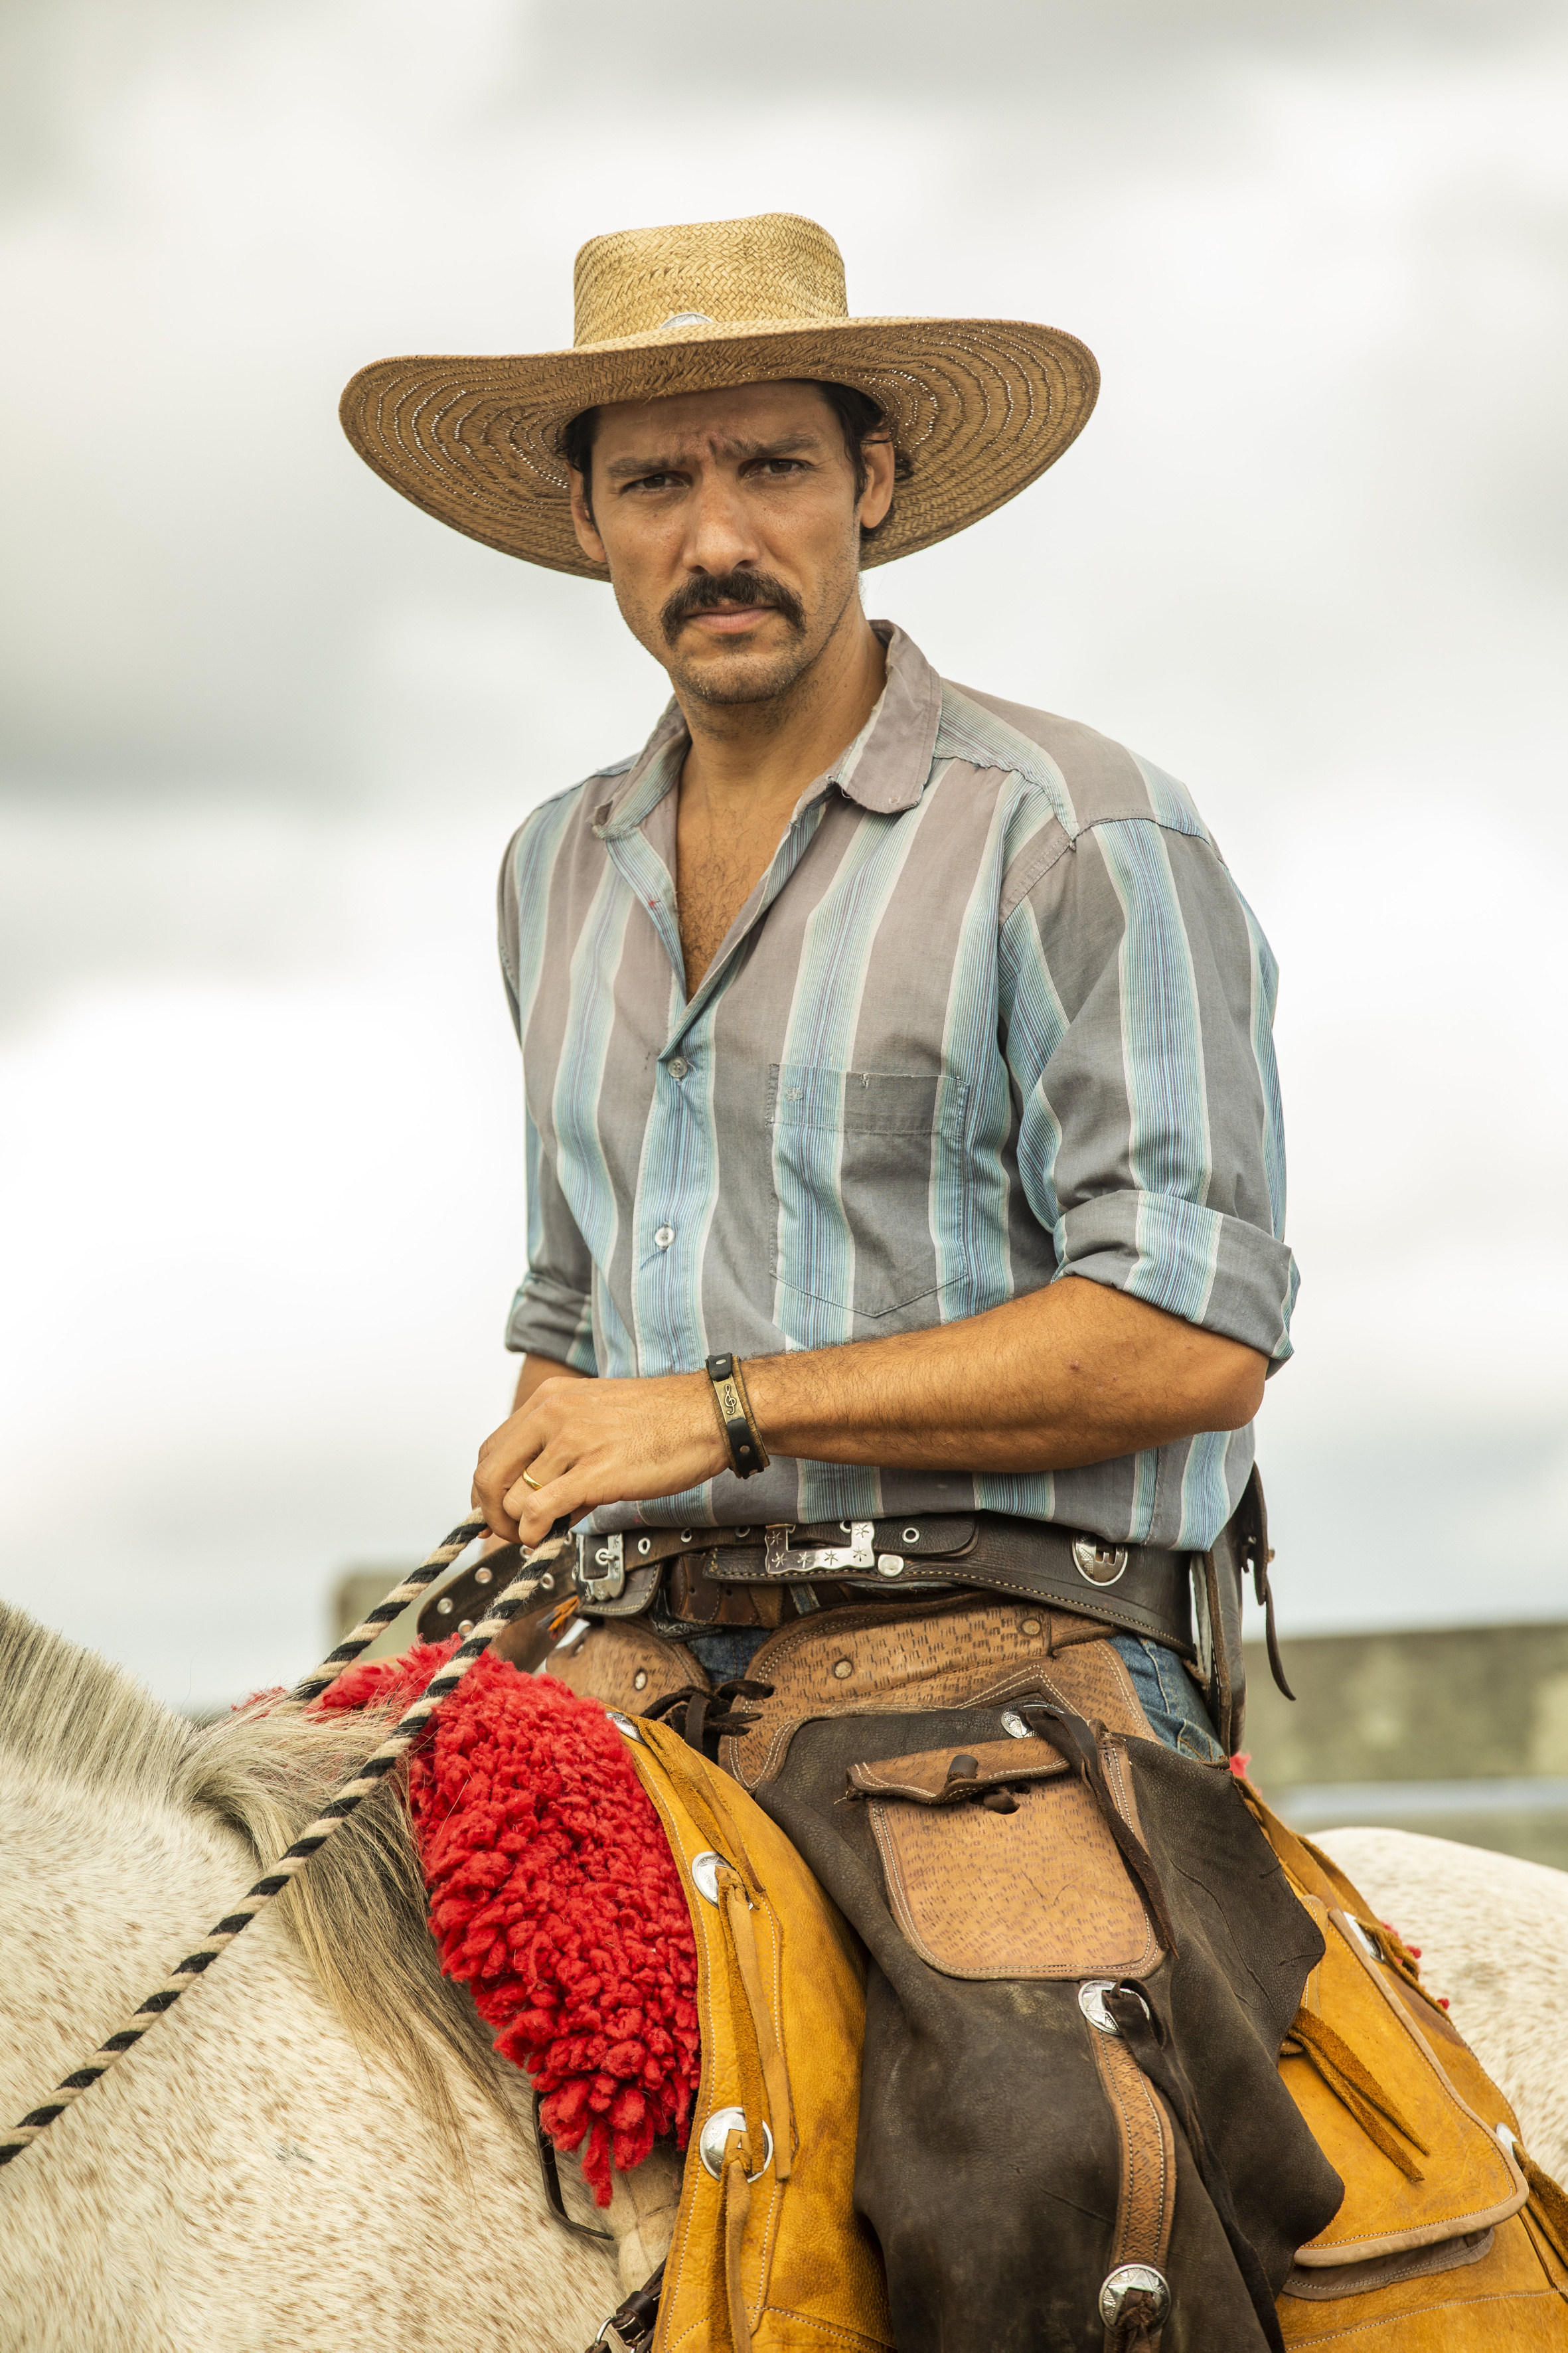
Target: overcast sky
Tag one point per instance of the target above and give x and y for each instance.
(264, 728)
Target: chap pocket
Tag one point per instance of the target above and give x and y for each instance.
(1040, 1892)
(869, 1173)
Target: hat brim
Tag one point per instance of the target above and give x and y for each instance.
(979, 406)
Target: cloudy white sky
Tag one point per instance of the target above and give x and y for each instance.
(264, 729)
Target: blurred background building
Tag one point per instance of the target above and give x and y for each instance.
(1457, 1733)
(264, 729)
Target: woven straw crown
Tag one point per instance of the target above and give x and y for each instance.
(978, 407)
(723, 273)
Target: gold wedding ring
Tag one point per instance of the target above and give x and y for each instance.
(530, 1482)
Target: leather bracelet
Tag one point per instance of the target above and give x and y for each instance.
(748, 1455)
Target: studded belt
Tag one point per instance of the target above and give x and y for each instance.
(1139, 1588)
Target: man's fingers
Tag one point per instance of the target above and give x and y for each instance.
(490, 1498)
(500, 1490)
(528, 1496)
(529, 1479)
(565, 1498)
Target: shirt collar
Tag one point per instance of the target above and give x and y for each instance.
(885, 769)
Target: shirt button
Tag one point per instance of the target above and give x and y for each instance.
(679, 1068)
(664, 1236)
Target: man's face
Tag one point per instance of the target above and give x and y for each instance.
(731, 529)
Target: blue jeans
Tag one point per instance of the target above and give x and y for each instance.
(728, 1653)
(1170, 1699)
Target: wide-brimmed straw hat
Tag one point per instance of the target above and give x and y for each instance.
(977, 407)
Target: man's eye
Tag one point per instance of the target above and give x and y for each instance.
(650, 483)
(776, 469)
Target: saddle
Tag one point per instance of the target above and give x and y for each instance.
(991, 2020)
(1450, 2238)
(767, 2251)
(1406, 2216)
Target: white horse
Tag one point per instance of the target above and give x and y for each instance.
(318, 2151)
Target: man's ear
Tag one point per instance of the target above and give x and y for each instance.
(878, 495)
(588, 539)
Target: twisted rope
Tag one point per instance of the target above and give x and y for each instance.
(351, 1794)
(416, 1581)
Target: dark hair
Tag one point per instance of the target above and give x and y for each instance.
(858, 417)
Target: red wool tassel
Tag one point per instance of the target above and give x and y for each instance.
(555, 1899)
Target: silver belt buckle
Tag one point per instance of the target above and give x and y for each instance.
(828, 1560)
(600, 1574)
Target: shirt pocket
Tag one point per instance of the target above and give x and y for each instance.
(868, 1168)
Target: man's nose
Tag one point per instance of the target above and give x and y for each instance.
(719, 535)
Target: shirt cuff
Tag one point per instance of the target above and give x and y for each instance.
(547, 1319)
(1218, 1273)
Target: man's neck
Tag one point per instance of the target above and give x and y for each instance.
(762, 755)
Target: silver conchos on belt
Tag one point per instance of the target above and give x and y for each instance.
(1099, 1564)
(830, 1560)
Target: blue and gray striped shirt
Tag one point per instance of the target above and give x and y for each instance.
(995, 1013)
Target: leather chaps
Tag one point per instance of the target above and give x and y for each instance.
(1037, 1971)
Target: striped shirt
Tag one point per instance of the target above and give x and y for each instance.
(995, 1014)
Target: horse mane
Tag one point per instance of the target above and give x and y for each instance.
(356, 1913)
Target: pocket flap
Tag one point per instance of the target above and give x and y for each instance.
(930, 1779)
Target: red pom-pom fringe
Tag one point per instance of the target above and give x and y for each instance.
(555, 1899)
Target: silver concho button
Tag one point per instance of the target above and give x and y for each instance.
(717, 2131)
(705, 1870)
(1092, 1996)
(1099, 1564)
(1091, 2002)
(1134, 2279)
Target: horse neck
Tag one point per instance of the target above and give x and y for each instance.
(101, 1891)
(227, 2168)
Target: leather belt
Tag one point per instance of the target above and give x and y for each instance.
(1139, 1588)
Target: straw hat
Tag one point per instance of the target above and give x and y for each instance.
(978, 406)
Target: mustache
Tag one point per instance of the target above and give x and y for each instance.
(712, 589)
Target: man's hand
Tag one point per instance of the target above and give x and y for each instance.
(584, 1442)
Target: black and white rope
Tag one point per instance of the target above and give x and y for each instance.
(366, 1778)
(416, 1582)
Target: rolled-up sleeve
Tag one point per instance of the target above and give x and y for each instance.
(552, 1311)
(1138, 1010)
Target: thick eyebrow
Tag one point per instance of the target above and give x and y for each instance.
(782, 445)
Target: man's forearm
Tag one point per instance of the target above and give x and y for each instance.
(1071, 1375)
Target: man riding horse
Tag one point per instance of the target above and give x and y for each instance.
(906, 1259)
